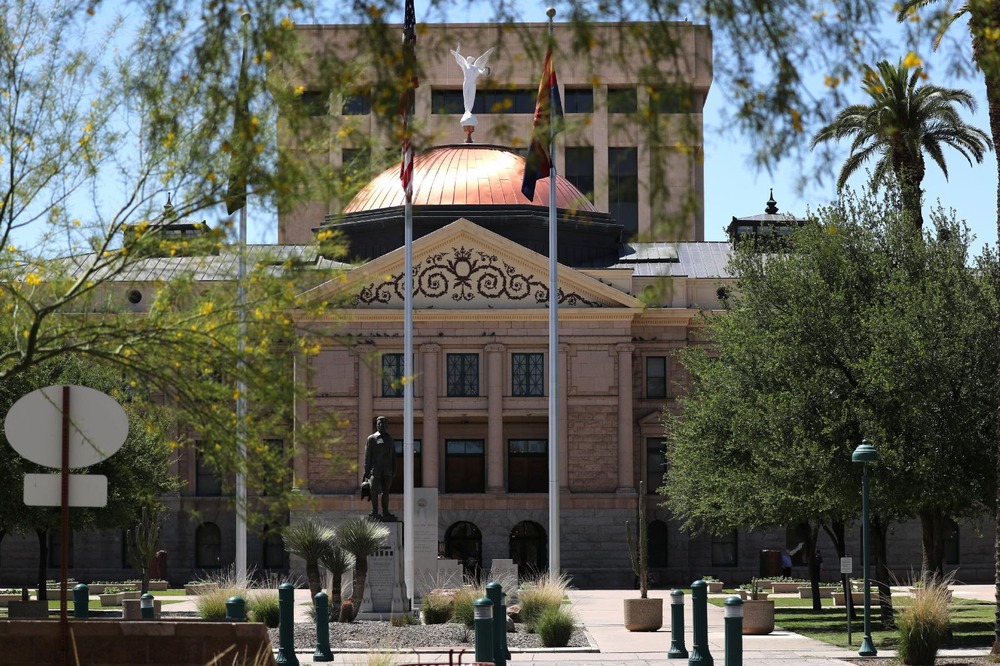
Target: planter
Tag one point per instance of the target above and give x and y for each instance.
(114, 599)
(764, 583)
(805, 592)
(857, 598)
(747, 596)
(7, 598)
(784, 588)
(96, 589)
(643, 614)
(132, 610)
(714, 587)
(131, 594)
(158, 585)
(758, 617)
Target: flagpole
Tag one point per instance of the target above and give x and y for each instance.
(554, 564)
(241, 387)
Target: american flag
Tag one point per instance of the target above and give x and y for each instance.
(406, 100)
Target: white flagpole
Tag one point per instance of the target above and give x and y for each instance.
(241, 387)
(408, 400)
(554, 565)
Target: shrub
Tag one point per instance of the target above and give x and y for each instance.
(262, 606)
(346, 611)
(463, 606)
(542, 594)
(555, 626)
(437, 608)
(403, 620)
(922, 622)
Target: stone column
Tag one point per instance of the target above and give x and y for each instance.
(563, 418)
(300, 461)
(625, 443)
(494, 439)
(430, 446)
(366, 406)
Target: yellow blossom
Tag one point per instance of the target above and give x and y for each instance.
(299, 90)
(912, 60)
(287, 23)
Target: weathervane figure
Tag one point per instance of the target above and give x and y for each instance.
(472, 67)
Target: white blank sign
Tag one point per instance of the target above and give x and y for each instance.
(84, 490)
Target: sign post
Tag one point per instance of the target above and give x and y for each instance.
(846, 569)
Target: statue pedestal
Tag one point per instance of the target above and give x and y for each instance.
(385, 588)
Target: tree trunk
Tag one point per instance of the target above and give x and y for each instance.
(315, 583)
(838, 534)
(878, 532)
(358, 584)
(43, 561)
(814, 568)
(932, 545)
(336, 592)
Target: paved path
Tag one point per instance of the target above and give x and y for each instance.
(601, 612)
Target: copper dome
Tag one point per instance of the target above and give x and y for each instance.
(462, 175)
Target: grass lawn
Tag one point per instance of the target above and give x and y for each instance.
(971, 623)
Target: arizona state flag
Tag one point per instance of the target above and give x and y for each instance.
(548, 110)
(406, 99)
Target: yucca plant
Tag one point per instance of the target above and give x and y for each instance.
(360, 537)
(310, 540)
(337, 562)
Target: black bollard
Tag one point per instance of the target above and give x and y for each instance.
(322, 606)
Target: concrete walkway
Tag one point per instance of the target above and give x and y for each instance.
(600, 611)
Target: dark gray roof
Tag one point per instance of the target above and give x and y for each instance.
(220, 267)
(694, 260)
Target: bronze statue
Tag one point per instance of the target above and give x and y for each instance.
(380, 468)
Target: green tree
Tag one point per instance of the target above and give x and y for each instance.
(904, 120)
(849, 331)
(359, 537)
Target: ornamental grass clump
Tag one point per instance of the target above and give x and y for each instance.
(436, 608)
(463, 605)
(555, 626)
(541, 594)
(262, 606)
(922, 621)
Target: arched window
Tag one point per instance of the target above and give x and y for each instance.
(529, 548)
(724, 549)
(657, 542)
(464, 542)
(208, 546)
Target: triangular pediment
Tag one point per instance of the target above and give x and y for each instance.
(464, 266)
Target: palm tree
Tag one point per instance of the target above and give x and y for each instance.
(337, 561)
(360, 537)
(312, 541)
(903, 121)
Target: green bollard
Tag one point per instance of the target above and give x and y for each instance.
(81, 602)
(494, 591)
(236, 609)
(286, 625)
(699, 624)
(146, 610)
(483, 613)
(734, 631)
(322, 605)
(677, 649)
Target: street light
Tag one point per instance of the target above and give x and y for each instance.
(864, 454)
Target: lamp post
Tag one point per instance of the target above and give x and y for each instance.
(864, 454)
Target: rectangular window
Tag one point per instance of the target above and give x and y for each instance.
(488, 101)
(527, 374)
(622, 100)
(207, 482)
(465, 466)
(447, 102)
(656, 376)
(671, 100)
(358, 103)
(418, 472)
(724, 548)
(527, 466)
(392, 375)
(579, 168)
(579, 100)
(656, 464)
(463, 375)
(315, 102)
(623, 187)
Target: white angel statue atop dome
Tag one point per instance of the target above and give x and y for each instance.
(472, 67)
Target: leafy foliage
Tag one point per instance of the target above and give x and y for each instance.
(555, 627)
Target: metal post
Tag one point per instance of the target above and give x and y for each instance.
(677, 649)
(81, 602)
(494, 591)
(286, 625)
(322, 605)
(699, 623)
(483, 610)
(236, 609)
(146, 610)
(734, 631)
(867, 646)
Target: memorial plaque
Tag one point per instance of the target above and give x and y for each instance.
(425, 540)
(504, 572)
(449, 574)
(384, 587)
